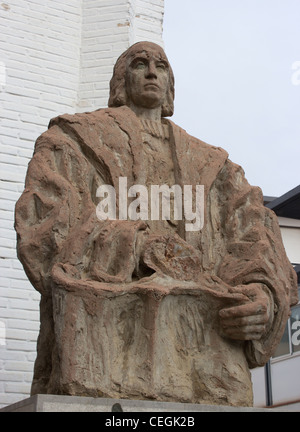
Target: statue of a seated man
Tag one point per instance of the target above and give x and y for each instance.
(142, 307)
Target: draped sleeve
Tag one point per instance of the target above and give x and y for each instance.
(253, 252)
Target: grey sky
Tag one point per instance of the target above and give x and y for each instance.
(235, 86)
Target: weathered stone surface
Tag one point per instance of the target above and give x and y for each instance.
(145, 309)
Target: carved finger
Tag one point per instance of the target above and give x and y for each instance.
(259, 319)
(245, 310)
(251, 332)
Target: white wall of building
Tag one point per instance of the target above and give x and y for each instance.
(55, 57)
(290, 231)
(108, 29)
(105, 35)
(286, 380)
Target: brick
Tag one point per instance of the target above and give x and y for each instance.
(12, 273)
(13, 160)
(4, 282)
(11, 376)
(9, 356)
(21, 314)
(5, 204)
(10, 293)
(24, 305)
(22, 366)
(6, 215)
(22, 335)
(7, 186)
(6, 224)
(23, 324)
(6, 262)
(19, 388)
(23, 284)
(18, 345)
(7, 253)
(7, 233)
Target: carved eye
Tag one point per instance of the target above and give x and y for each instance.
(140, 65)
(161, 66)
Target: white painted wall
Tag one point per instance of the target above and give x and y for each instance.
(290, 231)
(55, 57)
(286, 380)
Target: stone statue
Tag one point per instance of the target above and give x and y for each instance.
(141, 308)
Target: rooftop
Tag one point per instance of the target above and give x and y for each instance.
(288, 205)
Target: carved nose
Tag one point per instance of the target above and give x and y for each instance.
(151, 71)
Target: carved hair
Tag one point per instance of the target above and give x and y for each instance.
(118, 95)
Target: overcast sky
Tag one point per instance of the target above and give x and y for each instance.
(236, 87)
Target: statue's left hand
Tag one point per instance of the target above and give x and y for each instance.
(251, 320)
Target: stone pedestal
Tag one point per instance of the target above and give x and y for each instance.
(51, 403)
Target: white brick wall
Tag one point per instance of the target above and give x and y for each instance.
(105, 33)
(56, 56)
(148, 21)
(123, 22)
(40, 58)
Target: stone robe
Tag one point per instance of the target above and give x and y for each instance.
(107, 331)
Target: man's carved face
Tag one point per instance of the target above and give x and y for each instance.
(147, 78)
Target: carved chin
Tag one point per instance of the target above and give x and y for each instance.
(150, 99)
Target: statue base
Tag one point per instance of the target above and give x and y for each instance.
(53, 403)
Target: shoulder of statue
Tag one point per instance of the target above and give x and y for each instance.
(106, 125)
(122, 116)
(208, 150)
(75, 118)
